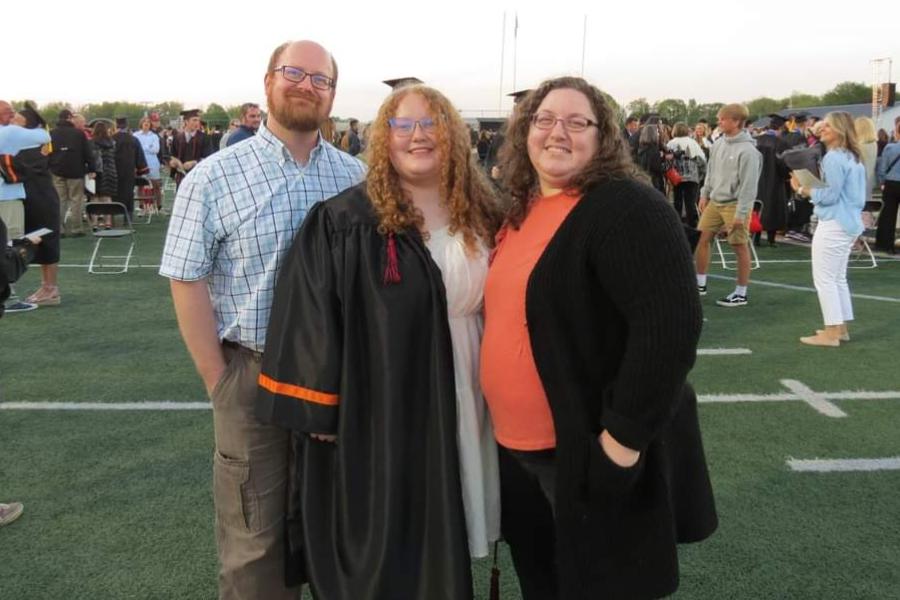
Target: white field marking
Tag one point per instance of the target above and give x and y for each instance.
(706, 398)
(801, 288)
(820, 401)
(844, 465)
(105, 406)
(723, 351)
(817, 401)
(132, 266)
(809, 260)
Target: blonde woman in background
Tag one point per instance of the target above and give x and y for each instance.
(868, 142)
(839, 209)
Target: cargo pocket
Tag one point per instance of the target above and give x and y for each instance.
(234, 501)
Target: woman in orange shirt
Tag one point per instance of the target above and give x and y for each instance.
(592, 321)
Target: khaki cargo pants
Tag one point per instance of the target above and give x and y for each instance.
(249, 487)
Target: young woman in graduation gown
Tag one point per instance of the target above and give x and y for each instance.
(372, 360)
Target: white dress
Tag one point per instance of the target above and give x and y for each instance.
(464, 278)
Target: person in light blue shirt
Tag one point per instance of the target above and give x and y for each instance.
(889, 178)
(150, 143)
(838, 207)
(13, 139)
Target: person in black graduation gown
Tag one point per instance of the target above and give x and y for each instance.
(359, 365)
(189, 146)
(773, 179)
(130, 163)
(41, 209)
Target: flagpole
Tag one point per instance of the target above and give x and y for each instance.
(583, 43)
(502, 50)
(515, 49)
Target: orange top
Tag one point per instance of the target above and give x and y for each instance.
(509, 377)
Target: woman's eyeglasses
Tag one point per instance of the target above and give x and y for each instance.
(403, 127)
(548, 120)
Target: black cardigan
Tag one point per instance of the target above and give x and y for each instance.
(614, 318)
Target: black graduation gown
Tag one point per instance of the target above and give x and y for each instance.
(772, 187)
(41, 202)
(377, 515)
(130, 162)
(197, 149)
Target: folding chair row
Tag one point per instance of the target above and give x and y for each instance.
(105, 237)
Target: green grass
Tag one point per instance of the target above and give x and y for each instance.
(119, 505)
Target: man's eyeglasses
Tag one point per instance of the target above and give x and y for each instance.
(297, 75)
(548, 120)
(404, 127)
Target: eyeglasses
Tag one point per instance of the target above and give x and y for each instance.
(297, 75)
(548, 120)
(404, 127)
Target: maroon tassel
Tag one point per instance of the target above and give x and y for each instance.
(392, 270)
(495, 577)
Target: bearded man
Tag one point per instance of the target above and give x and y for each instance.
(234, 218)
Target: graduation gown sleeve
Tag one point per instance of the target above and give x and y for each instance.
(301, 369)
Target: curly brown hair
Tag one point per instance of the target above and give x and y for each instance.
(465, 190)
(612, 161)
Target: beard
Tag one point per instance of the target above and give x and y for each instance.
(303, 117)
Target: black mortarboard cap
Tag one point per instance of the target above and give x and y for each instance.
(519, 96)
(33, 118)
(402, 82)
(122, 122)
(776, 121)
(191, 113)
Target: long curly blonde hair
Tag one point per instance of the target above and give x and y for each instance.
(464, 189)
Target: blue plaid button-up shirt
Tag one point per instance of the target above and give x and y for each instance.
(235, 217)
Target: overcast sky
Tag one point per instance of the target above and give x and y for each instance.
(200, 51)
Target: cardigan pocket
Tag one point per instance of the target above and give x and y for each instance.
(606, 479)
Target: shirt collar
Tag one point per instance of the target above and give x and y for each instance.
(277, 147)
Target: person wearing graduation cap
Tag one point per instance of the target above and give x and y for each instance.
(189, 146)
(130, 163)
(796, 130)
(41, 208)
(773, 179)
(372, 361)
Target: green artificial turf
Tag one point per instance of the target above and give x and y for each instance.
(118, 504)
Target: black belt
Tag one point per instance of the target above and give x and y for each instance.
(240, 348)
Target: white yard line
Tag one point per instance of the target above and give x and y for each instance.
(105, 406)
(799, 392)
(723, 351)
(801, 288)
(844, 465)
(131, 266)
(817, 401)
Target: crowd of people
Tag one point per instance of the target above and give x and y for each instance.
(457, 340)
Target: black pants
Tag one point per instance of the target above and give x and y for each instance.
(685, 195)
(887, 220)
(527, 483)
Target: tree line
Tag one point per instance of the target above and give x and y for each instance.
(671, 110)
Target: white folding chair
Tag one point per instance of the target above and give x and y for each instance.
(727, 257)
(104, 237)
(862, 252)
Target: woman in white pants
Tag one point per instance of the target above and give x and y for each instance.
(838, 207)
